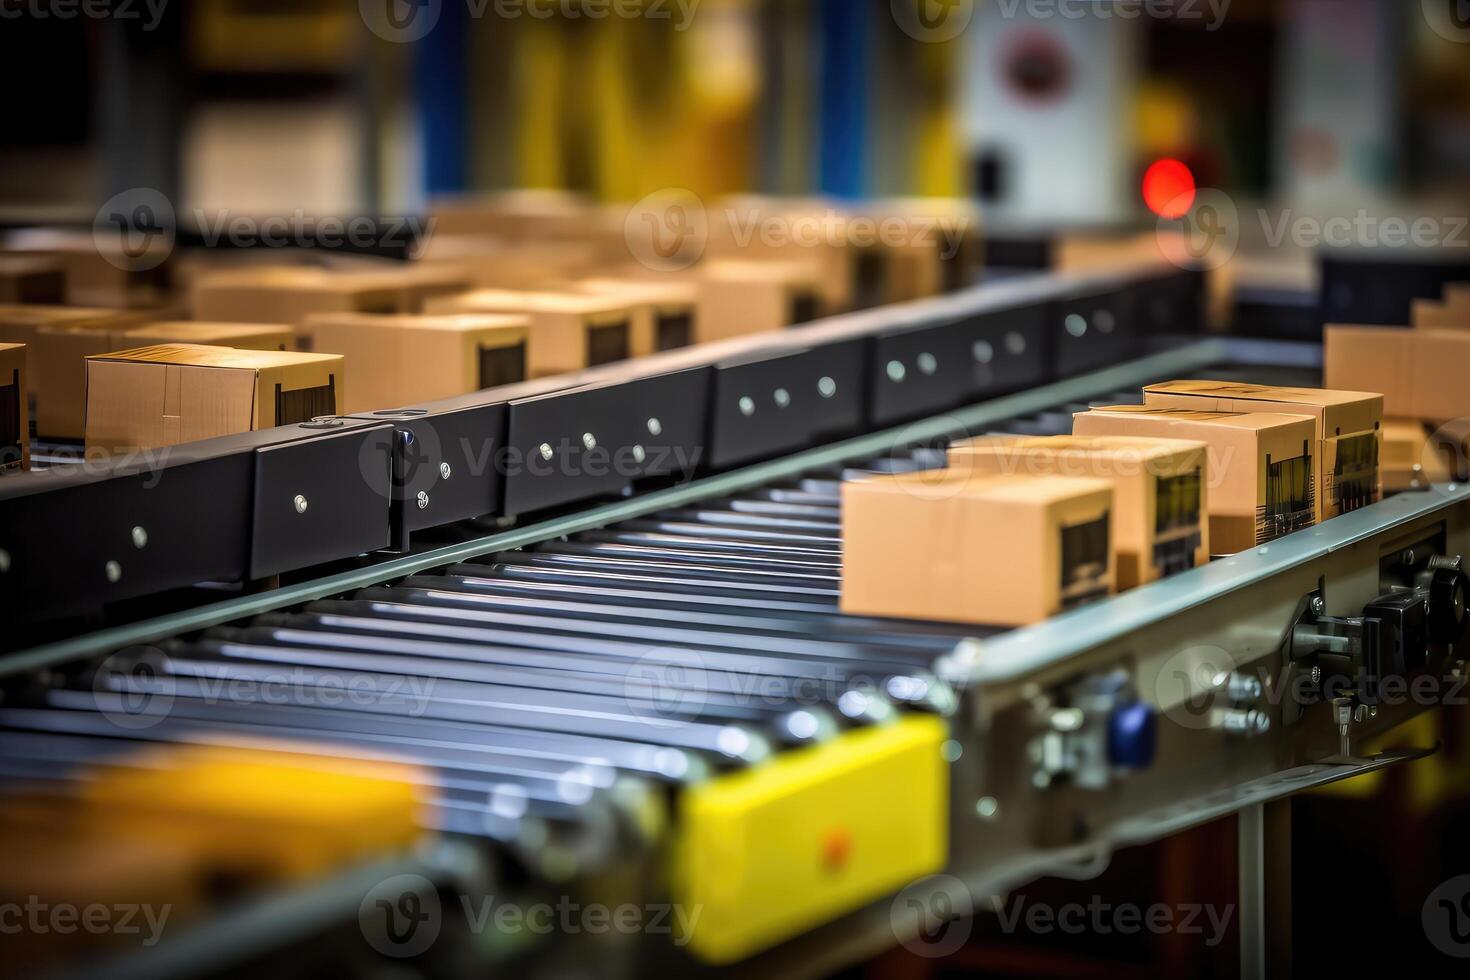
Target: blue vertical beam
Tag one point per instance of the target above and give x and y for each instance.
(844, 28)
(442, 70)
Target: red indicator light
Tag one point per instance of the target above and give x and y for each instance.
(1169, 189)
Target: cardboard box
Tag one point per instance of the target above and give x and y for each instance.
(569, 331)
(811, 231)
(58, 340)
(929, 246)
(173, 393)
(515, 215)
(287, 294)
(405, 360)
(1261, 474)
(1421, 373)
(670, 308)
(493, 263)
(1160, 527)
(1000, 550)
(1432, 315)
(245, 336)
(15, 416)
(32, 279)
(1409, 461)
(1348, 438)
(743, 297)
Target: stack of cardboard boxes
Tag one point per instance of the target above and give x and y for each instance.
(1010, 531)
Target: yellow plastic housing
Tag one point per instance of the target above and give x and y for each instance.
(766, 854)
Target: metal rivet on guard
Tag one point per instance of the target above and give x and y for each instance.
(113, 570)
(783, 398)
(301, 504)
(423, 499)
(638, 454)
(4, 561)
(747, 405)
(140, 538)
(655, 427)
(444, 471)
(826, 387)
(589, 440)
(546, 450)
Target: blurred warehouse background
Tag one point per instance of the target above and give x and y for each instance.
(1047, 112)
(1074, 127)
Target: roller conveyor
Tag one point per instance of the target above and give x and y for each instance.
(585, 693)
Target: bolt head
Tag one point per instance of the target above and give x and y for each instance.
(423, 499)
(589, 440)
(140, 537)
(113, 571)
(545, 450)
(300, 504)
(444, 471)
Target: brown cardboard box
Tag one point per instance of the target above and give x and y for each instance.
(15, 417)
(493, 263)
(173, 393)
(1261, 478)
(101, 274)
(569, 331)
(1420, 372)
(32, 279)
(668, 309)
(754, 227)
(1432, 315)
(400, 359)
(244, 336)
(930, 246)
(1348, 437)
(515, 215)
(1003, 550)
(289, 294)
(58, 339)
(1160, 526)
(1408, 462)
(97, 279)
(744, 297)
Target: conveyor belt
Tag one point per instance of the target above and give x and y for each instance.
(562, 696)
(675, 644)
